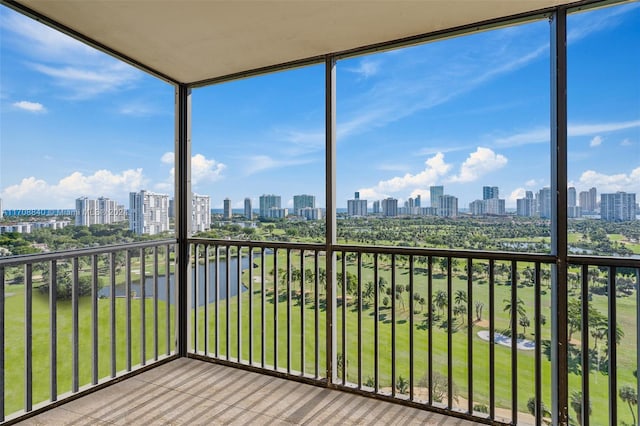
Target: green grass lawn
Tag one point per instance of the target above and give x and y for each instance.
(14, 343)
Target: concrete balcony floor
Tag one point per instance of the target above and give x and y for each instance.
(191, 392)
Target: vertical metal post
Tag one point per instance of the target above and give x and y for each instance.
(155, 303)
(28, 337)
(470, 334)
(128, 308)
(559, 335)
(250, 303)
(430, 327)
(584, 343)
(538, 347)
(2, 321)
(492, 329)
(112, 311)
(514, 342)
(343, 312)
(449, 334)
(302, 308)
(207, 308)
(143, 313)
(331, 234)
(167, 277)
(94, 319)
(288, 298)
(612, 348)
(183, 211)
(360, 320)
(376, 326)
(53, 330)
(393, 325)
(239, 304)
(411, 325)
(75, 333)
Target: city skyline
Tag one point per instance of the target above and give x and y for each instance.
(97, 126)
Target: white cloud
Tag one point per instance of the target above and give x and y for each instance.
(626, 142)
(435, 168)
(515, 194)
(203, 170)
(259, 163)
(531, 183)
(87, 82)
(32, 192)
(30, 106)
(478, 164)
(596, 141)
(366, 68)
(81, 71)
(542, 135)
(167, 158)
(611, 183)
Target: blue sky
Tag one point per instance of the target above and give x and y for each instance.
(463, 113)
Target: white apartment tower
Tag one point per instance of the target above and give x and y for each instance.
(618, 207)
(148, 212)
(389, 207)
(267, 203)
(102, 211)
(448, 206)
(200, 213)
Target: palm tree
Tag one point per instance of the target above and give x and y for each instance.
(628, 394)
(440, 300)
(524, 322)
(460, 297)
(520, 309)
(576, 404)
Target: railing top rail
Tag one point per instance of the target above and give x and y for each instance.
(261, 244)
(416, 251)
(69, 254)
(619, 262)
(424, 251)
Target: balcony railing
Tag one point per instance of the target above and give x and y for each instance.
(421, 327)
(401, 323)
(87, 317)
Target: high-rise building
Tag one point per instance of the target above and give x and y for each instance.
(267, 202)
(248, 211)
(588, 201)
(310, 213)
(1, 211)
(418, 201)
(573, 210)
(618, 207)
(148, 212)
(376, 207)
(448, 206)
(303, 201)
(489, 192)
(102, 211)
(227, 212)
(389, 207)
(526, 206)
(544, 203)
(200, 213)
(357, 207)
(435, 193)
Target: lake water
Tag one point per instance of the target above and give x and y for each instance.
(162, 283)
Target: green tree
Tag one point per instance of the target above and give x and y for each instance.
(629, 395)
(519, 309)
(440, 300)
(576, 404)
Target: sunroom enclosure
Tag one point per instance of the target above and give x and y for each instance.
(281, 315)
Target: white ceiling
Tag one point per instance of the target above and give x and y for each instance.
(195, 40)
